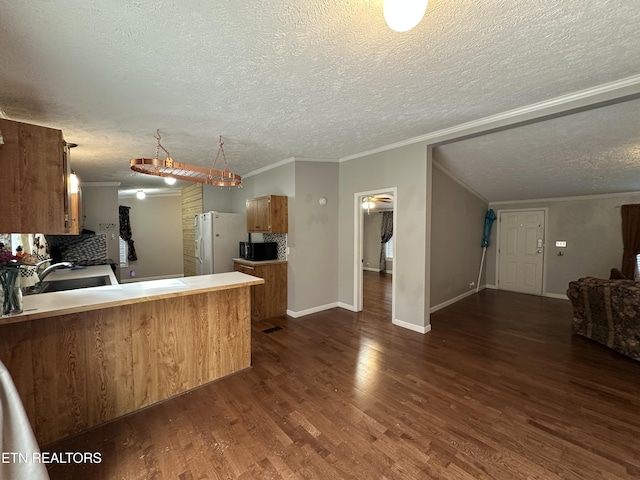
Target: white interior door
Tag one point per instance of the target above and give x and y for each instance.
(521, 251)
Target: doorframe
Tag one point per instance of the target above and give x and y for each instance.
(358, 246)
(544, 245)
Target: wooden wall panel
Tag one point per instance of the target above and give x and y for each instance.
(109, 364)
(199, 305)
(171, 354)
(143, 342)
(234, 332)
(192, 204)
(16, 345)
(80, 370)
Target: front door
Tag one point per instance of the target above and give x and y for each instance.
(521, 251)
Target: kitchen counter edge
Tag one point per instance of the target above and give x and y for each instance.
(53, 304)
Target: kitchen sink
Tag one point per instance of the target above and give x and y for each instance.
(70, 284)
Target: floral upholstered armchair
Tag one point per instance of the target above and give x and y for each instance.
(608, 312)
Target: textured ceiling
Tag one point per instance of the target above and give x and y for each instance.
(304, 78)
(589, 153)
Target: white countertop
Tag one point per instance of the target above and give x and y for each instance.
(51, 304)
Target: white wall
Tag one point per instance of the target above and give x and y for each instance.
(313, 229)
(457, 227)
(156, 226)
(100, 206)
(592, 229)
(218, 199)
(314, 244)
(371, 225)
(277, 181)
(406, 169)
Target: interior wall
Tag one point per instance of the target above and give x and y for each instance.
(372, 223)
(314, 247)
(457, 225)
(156, 224)
(406, 169)
(592, 229)
(100, 209)
(218, 199)
(277, 181)
(192, 205)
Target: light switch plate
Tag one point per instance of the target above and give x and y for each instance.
(561, 244)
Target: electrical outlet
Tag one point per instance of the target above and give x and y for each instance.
(472, 284)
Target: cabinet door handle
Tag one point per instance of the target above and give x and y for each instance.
(248, 267)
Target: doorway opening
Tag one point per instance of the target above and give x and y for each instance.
(375, 261)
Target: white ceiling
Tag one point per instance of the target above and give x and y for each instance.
(589, 153)
(322, 79)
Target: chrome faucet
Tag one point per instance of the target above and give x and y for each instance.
(42, 275)
(39, 264)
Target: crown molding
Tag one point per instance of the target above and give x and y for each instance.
(606, 94)
(460, 182)
(290, 160)
(99, 184)
(269, 167)
(565, 199)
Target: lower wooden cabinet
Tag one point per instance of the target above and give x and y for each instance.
(269, 299)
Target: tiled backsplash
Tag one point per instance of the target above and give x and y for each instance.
(78, 247)
(281, 240)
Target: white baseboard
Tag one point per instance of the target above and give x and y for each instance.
(144, 279)
(369, 269)
(550, 295)
(451, 301)
(412, 326)
(556, 295)
(309, 311)
(346, 306)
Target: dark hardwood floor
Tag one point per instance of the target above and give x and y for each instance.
(499, 389)
(376, 294)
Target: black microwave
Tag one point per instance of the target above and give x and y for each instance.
(259, 251)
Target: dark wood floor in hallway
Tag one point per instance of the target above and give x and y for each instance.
(499, 389)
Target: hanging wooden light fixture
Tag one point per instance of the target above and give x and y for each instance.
(183, 171)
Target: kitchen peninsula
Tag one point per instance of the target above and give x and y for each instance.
(83, 357)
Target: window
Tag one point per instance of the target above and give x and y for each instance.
(389, 247)
(124, 253)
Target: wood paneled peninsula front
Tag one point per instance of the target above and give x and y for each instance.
(83, 357)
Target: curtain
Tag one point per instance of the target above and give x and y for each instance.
(125, 233)
(386, 232)
(630, 238)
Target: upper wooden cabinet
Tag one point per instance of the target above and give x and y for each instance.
(268, 214)
(76, 213)
(34, 192)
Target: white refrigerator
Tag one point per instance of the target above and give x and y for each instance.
(217, 241)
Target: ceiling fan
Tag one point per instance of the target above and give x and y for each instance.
(370, 202)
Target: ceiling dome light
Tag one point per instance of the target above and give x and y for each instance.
(141, 195)
(403, 15)
(170, 180)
